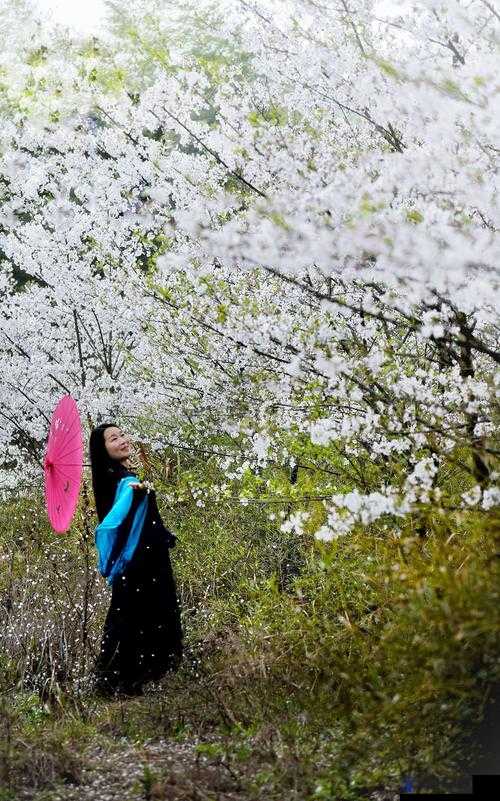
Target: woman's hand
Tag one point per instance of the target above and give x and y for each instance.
(142, 485)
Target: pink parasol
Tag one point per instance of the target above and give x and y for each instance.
(63, 464)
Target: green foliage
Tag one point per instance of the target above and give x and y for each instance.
(388, 68)
(109, 79)
(414, 216)
(39, 745)
(37, 57)
(452, 88)
(367, 206)
(210, 749)
(365, 662)
(274, 115)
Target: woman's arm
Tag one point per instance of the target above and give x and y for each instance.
(170, 537)
(122, 530)
(117, 534)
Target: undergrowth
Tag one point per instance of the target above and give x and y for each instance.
(315, 670)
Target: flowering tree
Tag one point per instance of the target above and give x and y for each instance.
(296, 252)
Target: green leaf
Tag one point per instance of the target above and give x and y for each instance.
(414, 216)
(222, 313)
(388, 68)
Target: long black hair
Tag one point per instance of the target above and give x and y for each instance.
(106, 472)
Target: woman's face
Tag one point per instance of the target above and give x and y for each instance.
(117, 443)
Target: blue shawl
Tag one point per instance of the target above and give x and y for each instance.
(106, 532)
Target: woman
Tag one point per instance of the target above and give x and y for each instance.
(142, 636)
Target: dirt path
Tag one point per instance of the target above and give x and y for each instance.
(165, 770)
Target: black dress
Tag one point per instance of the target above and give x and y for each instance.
(142, 636)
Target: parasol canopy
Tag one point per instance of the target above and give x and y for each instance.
(63, 464)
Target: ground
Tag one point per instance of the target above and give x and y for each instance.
(181, 768)
(165, 769)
